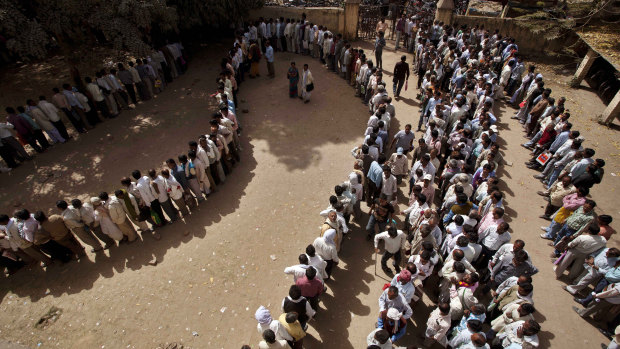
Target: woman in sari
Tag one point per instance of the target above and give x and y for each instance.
(254, 57)
(293, 80)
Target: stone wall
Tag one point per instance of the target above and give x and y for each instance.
(332, 17)
(528, 41)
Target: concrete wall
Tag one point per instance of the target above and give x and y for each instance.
(332, 17)
(528, 42)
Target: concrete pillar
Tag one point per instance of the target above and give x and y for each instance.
(583, 69)
(445, 8)
(351, 19)
(612, 111)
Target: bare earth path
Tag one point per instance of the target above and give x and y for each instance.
(207, 285)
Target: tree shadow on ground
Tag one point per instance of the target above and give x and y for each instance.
(340, 125)
(98, 160)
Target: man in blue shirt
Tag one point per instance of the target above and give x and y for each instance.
(269, 59)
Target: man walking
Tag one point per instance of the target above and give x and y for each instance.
(378, 50)
(394, 242)
(401, 74)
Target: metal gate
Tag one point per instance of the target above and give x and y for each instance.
(369, 16)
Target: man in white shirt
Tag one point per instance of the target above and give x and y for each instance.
(87, 214)
(438, 325)
(379, 338)
(175, 191)
(390, 185)
(205, 155)
(522, 333)
(97, 96)
(73, 220)
(299, 270)
(159, 186)
(316, 261)
(270, 342)
(118, 215)
(52, 113)
(148, 195)
(491, 240)
(394, 242)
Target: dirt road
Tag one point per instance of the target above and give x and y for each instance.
(207, 285)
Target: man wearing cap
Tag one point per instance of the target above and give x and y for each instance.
(403, 139)
(427, 168)
(394, 242)
(399, 164)
(394, 323)
(427, 188)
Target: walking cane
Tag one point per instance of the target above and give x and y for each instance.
(375, 262)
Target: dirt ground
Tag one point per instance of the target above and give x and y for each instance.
(207, 285)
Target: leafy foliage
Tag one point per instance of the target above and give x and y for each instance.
(31, 27)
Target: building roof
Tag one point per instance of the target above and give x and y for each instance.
(604, 39)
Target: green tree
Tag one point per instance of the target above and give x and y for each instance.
(30, 28)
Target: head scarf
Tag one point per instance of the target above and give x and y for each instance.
(329, 236)
(262, 315)
(394, 315)
(405, 275)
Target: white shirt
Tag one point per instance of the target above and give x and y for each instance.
(95, 91)
(146, 191)
(87, 213)
(390, 186)
(319, 264)
(326, 251)
(392, 245)
(50, 110)
(162, 196)
(203, 156)
(492, 240)
(407, 289)
(5, 130)
(426, 268)
(173, 188)
(370, 340)
(509, 335)
(299, 271)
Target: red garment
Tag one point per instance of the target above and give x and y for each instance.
(547, 136)
(607, 232)
(309, 288)
(22, 126)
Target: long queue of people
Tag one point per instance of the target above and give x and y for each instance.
(86, 103)
(454, 243)
(145, 201)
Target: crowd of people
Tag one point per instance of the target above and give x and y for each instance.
(454, 243)
(86, 103)
(146, 201)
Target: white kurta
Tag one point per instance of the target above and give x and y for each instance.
(107, 226)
